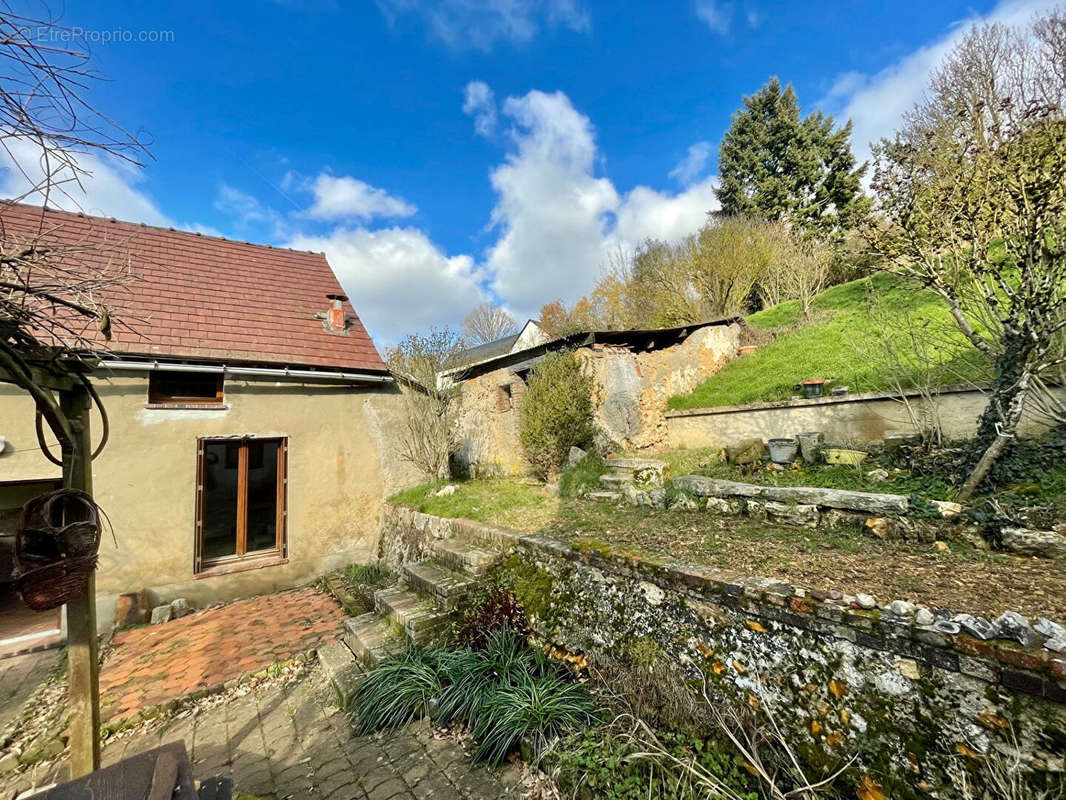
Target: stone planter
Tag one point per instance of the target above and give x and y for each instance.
(810, 445)
(783, 451)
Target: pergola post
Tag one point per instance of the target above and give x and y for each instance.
(82, 648)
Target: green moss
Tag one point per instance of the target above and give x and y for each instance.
(642, 651)
(590, 545)
(530, 584)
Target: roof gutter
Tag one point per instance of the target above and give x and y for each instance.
(253, 372)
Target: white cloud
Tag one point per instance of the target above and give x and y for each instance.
(397, 279)
(551, 210)
(554, 225)
(479, 24)
(718, 16)
(693, 164)
(645, 213)
(345, 197)
(107, 189)
(558, 221)
(480, 103)
(876, 103)
(247, 211)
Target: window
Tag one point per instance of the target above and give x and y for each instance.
(185, 389)
(240, 503)
(503, 397)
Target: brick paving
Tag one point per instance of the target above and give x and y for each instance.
(19, 676)
(154, 664)
(292, 742)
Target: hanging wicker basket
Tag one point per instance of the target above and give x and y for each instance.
(55, 547)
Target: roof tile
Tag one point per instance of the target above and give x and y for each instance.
(206, 297)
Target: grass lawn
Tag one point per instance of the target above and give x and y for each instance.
(962, 578)
(510, 503)
(844, 342)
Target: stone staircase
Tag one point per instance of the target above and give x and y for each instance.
(628, 475)
(420, 609)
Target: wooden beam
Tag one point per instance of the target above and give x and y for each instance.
(82, 648)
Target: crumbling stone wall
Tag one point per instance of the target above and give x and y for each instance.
(910, 700)
(488, 424)
(633, 388)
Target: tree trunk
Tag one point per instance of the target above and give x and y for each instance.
(1001, 417)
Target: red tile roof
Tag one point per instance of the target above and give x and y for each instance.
(202, 297)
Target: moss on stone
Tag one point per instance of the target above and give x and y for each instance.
(642, 651)
(530, 584)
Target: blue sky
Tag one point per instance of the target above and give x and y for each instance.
(445, 152)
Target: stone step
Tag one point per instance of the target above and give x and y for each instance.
(616, 480)
(635, 464)
(419, 616)
(640, 471)
(488, 537)
(343, 671)
(605, 496)
(445, 587)
(372, 639)
(461, 555)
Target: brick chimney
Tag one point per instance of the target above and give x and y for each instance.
(335, 318)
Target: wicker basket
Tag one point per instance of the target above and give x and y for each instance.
(49, 587)
(54, 557)
(44, 536)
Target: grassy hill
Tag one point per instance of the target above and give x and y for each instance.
(867, 334)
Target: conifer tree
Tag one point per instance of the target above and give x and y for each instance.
(777, 165)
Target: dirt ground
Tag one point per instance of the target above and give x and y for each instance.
(961, 578)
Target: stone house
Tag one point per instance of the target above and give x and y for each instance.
(250, 418)
(635, 373)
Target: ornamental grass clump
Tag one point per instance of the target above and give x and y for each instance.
(503, 692)
(396, 693)
(538, 708)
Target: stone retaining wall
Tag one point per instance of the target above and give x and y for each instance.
(910, 690)
(856, 417)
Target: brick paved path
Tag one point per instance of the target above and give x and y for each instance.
(154, 664)
(292, 742)
(19, 676)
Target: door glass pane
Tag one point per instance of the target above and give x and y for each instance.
(220, 499)
(262, 495)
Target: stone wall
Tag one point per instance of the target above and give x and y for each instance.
(853, 418)
(843, 674)
(634, 386)
(632, 390)
(488, 424)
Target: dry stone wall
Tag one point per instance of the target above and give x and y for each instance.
(911, 691)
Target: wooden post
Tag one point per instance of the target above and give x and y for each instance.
(82, 649)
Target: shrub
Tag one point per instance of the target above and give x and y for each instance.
(498, 610)
(503, 692)
(602, 765)
(366, 574)
(469, 676)
(556, 413)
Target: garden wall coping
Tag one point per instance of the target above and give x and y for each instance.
(800, 402)
(869, 502)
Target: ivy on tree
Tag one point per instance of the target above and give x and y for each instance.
(779, 166)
